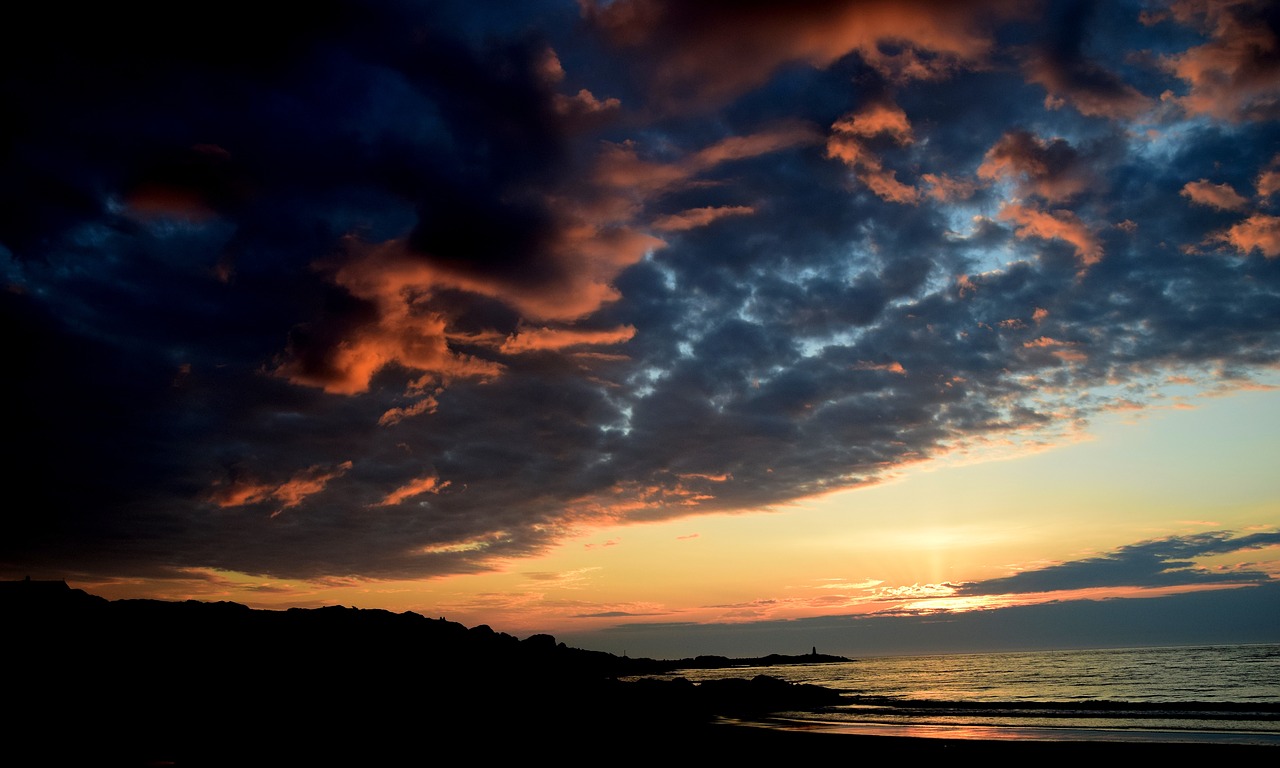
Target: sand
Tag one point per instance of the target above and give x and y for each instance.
(755, 742)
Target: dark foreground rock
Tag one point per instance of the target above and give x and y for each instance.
(191, 682)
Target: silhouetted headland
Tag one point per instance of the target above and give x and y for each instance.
(159, 679)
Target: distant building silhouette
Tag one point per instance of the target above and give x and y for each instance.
(32, 588)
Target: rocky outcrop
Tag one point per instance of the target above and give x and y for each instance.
(154, 679)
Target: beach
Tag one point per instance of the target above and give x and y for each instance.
(589, 737)
(757, 741)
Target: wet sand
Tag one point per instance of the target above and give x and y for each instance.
(727, 743)
(747, 739)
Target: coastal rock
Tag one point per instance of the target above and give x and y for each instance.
(321, 682)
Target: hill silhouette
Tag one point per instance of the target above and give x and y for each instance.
(194, 682)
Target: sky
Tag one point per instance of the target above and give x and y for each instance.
(664, 328)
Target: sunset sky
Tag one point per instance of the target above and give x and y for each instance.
(665, 328)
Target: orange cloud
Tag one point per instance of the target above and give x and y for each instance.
(876, 120)
(1220, 196)
(699, 217)
(584, 103)
(1259, 231)
(708, 53)
(311, 482)
(549, 68)
(1268, 183)
(630, 501)
(1056, 225)
(850, 151)
(398, 285)
(703, 476)
(620, 167)
(753, 145)
(397, 415)
(429, 484)
(885, 185)
(847, 143)
(894, 367)
(578, 110)
(291, 493)
(945, 189)
(540, 339)
(1050, 169)
(397, 333)
(594, 230)
(1063, 350)
(1236, 75)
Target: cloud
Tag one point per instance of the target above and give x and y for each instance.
(644, 260)
(1060, 65)
(944, 188)
(584, 103)
(1158, 563)
(1228, 616)
(612, 615)
(1054, 225)
(877, 120)
(1052, 170)
(395, 415)
(342, 353)
(894, 367)
(1260, 231)
(1268, 183)
(240, 491)
(427, 484)
(849, 144)
(1234, 76)
(711, 52)
(1220, 196)
(539, 339)
(193, 184)
(699, 217)
(621, 169)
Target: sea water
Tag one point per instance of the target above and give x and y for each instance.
(1209, 693)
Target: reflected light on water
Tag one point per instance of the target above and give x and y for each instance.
(1007, 733)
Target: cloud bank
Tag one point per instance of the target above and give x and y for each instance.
(392, 290)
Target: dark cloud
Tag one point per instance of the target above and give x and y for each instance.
(1159, 563)
(1070, 75)
(396, 289)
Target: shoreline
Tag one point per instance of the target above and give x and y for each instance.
(1148, 736)
(769, 739)
(588, 741)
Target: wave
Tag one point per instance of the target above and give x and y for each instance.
(1205, 710)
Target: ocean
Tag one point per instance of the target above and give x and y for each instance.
(1218, 694)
